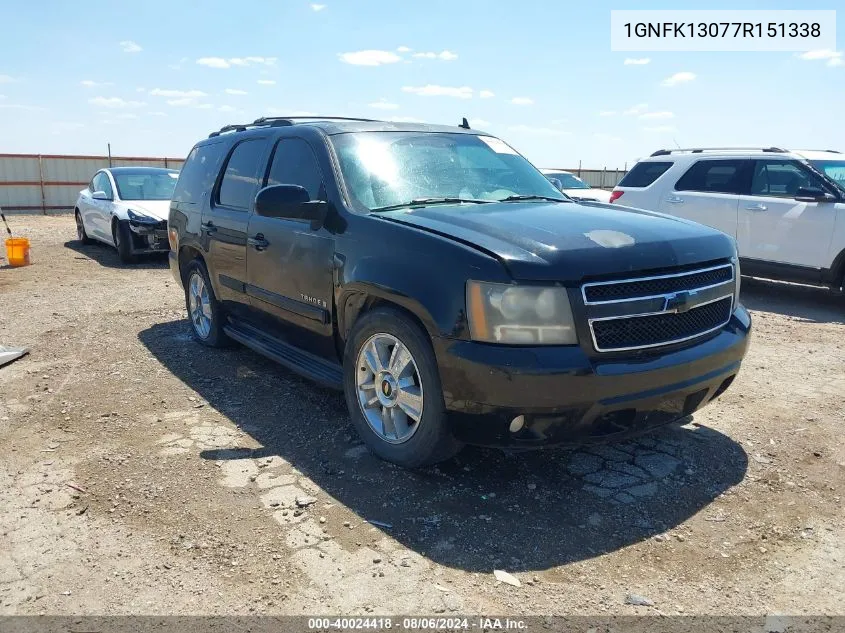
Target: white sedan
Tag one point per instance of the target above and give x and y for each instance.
(574, 187)
(127, 207)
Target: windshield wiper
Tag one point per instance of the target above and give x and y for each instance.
(424, 202)
(532, 197)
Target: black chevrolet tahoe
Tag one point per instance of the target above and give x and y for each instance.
(448, 288)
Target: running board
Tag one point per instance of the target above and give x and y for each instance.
(318, 369)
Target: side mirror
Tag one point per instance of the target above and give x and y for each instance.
(812, 194)
(100, 195)
(557, 183)
(290, 202)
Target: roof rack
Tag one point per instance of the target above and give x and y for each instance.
(700, 150)
(281, 121)
(832, 151)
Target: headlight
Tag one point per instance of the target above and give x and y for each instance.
(519, 315)
(140, 218)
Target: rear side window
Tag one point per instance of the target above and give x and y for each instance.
(240, 180)
(294, 163)
(713, 176)
(643, 174)
(198, 173)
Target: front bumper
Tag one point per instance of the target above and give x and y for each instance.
(568, 396)
(148, 237)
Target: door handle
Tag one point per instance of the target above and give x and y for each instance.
(674, 199)
(209, 227)
(258, 242)
(756, 207)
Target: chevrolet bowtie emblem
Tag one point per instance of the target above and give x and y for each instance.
(680, 301)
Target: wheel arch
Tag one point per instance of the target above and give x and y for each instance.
(187, 254)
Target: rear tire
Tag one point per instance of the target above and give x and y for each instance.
(81, 233)
(122, 236)
(393, 392)
(204, 311)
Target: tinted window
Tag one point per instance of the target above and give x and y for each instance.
(782, 179)
(240, 180)
(643, 174)
(156, 185)
(715, 176)
(102, 183)
(198, 173)
(294, 163)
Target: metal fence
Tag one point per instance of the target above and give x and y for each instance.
(41, 183)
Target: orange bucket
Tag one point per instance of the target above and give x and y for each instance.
(17, 251)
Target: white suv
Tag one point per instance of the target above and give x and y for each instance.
(786, 209)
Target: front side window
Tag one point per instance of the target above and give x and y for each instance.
(833, 169)
(382, 169)
(712, 176)
(782, 179)
(240, 180)
(294, 163)
(102, 183)
(146, 185)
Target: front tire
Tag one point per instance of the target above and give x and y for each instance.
(122, 236)
(393, 391)
(204, 311)
(81, 233)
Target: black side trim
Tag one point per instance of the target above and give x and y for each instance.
(318, 369)
(783, 272)
(232, 283)
(286, 303)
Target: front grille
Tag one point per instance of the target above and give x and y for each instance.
(660, 329)
(654, 286)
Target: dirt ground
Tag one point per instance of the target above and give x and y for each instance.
(143, 474)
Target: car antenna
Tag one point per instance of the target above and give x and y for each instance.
(464, 124)
(676, 143)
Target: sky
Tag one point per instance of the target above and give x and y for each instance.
(155, 77)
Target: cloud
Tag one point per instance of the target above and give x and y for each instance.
(227, 108)
(318, 7)
(267, 82)
(183, 102)
(678, 78)
(235, 91)
(433, 90)
(179, 64)
(660, 128)
(607, 113)
(486, 94)
(157, 113)
(539, 131)
(93, 84)
(446, 56)
(653, 116)
(66, 126)
(185, 94)
(522, 101)
(369, 58)
(384, 104)
(115, 102)
(637, 109)
(403, 49)
(610, 138)
(834, 58)
(642, 61)
(6, 79)
(479, 123)
(405, 119)
(220, 62)
(205, 106)
(126, 115)
(128, 46)
(20, 106)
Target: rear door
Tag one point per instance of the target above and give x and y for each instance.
(708, 193)
(775, 227)
(225, 219)
(290, 265)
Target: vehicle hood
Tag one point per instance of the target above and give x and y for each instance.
(158, 209)
(599, 195)
(569, 242)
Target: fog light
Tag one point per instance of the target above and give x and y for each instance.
(517, 424)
